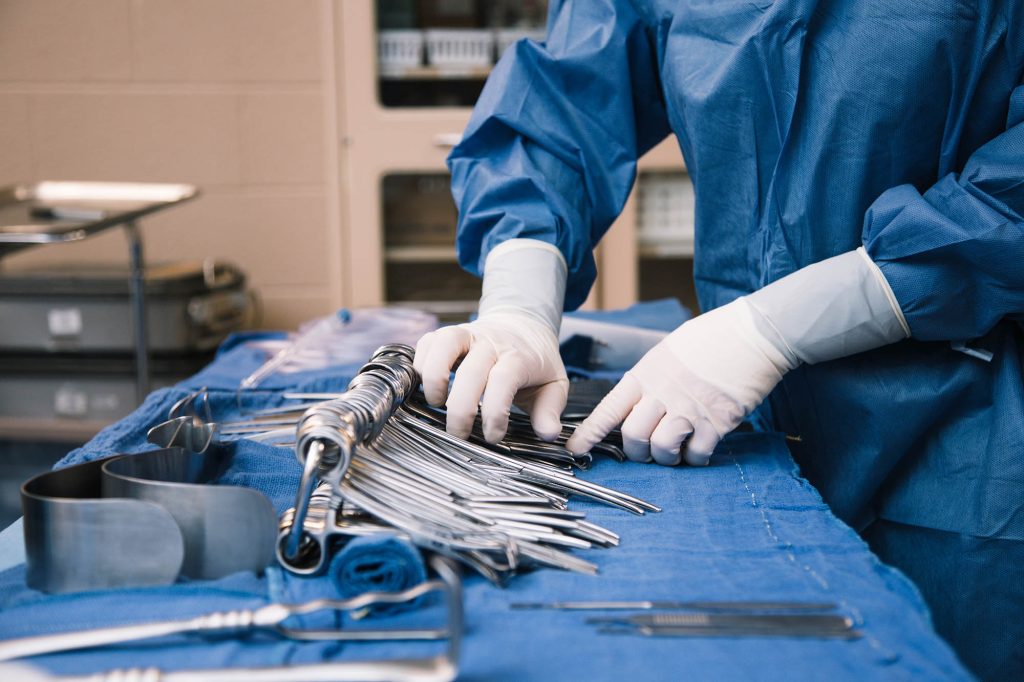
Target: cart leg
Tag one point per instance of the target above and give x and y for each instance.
(138, 303)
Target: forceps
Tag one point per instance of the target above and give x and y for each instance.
(695, 631)
(621, 605)
(728, 620)
(728, 625)
(189, 425)
(380, 448)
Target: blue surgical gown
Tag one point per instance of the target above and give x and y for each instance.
(810, 129)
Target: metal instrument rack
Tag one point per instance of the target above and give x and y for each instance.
(62, 212)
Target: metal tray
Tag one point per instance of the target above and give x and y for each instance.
(54, 212)
(191, 306)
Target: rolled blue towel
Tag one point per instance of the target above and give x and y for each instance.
(377, 564)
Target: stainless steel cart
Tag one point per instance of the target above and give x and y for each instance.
(61, 212)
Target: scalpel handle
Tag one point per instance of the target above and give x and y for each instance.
(87, 639)
(803, 632)
(622, 605)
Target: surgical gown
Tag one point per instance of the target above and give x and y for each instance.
(810, 129)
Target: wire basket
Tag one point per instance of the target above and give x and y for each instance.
(399, 49)
(462, 48)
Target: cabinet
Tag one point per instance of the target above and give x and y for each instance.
(398, 124)
(633, 268)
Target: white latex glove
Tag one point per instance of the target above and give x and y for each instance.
(700, 382)
(706, 376)
(510, 352)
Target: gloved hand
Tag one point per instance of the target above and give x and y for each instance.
(700, 382)
(510, 352)
(705, 377)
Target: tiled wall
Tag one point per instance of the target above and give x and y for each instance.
(233, 95)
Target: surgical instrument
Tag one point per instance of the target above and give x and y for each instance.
(732, 631)
(612, 605)
(747, 624)
(270, 617)
(133, 520)
(269, 424)
(497, 508)
(728, 620)
(189, 425)
(439, 668)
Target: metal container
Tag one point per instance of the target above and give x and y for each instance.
(192, 307)
(72, 397)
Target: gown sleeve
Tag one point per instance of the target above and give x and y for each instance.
(551, 148)
(954, 255)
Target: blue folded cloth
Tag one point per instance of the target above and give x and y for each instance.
(372, 563)
(377, 564)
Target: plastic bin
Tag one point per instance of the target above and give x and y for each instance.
(460, 48)
(666, 209)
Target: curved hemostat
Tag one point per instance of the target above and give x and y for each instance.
(189, 426)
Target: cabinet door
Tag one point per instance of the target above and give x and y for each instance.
(648, 253)
(408, 74)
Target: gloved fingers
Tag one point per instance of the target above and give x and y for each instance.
(701, 444)
(638, 427)
(506, 377)
(419, 360)
(667, 439)
(436, 354)
(545, 405)
(470, 380)
(608, 414)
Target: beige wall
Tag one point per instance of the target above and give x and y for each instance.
(237, 96)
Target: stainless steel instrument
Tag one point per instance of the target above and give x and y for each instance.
(271, 617)
(145, 519)
(729, 620)
(748, 624)
(619, 605)
(189, 425)
(378, 457)
(439, 668)
(733, 631)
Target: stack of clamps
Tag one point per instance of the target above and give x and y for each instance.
(377, 459)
